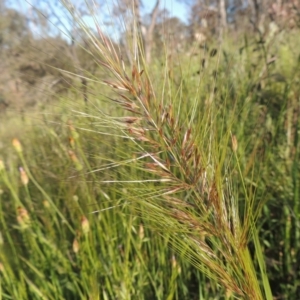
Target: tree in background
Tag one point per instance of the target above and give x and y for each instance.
(146, 25)
(211, 17)
(24, 37)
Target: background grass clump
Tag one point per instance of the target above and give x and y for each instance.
(177, 179)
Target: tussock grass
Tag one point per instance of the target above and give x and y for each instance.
(155, 189)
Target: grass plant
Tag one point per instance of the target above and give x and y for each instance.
(157, 187)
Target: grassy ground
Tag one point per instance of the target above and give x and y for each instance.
(71, 224)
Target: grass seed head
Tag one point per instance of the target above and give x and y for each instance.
(234, 143)
(75, 160)
(23, 217)
(46, 204)
(24, 177)
(73, 131)
(174, 261)
(72, 142)
(85, 225)
(17, 145)
(141, 232)
(75, 246)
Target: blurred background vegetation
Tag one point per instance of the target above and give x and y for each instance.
(242, 54)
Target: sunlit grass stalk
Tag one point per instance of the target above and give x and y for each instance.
(19, 150)
(7, 182)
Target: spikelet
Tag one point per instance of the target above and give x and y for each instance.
(73, 131)
(85, 225)
(24, 177)
(75, 246)
(75, 160)
(23, 217)
(72, 142)
(46, 204)
(174, 262)
(17, 145)
(141, 232)
(234, 143)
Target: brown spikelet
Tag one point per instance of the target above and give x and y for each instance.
(134, 73)
(186, 137)
(129, 120)
(114, 85)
